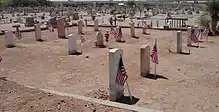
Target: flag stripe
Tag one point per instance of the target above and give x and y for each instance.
(121, 76)
(113, 32)
(154, 54)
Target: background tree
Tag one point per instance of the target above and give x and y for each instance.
(213, 9)
(26, 3)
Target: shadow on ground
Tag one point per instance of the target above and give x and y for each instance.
(185, 53)
(196, 46)
(155, 77)
(127, 100)
(76, 53)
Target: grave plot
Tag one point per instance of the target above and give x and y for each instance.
(184, 81)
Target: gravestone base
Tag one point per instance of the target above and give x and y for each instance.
(40, 40)
(10, 46)
(100, 46)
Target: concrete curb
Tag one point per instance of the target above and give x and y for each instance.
(98, 101)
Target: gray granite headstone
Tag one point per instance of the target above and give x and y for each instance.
(29, 21)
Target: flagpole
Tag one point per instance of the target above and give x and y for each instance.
(155, 69)
(155, 65)
(130, 95)
(206, 38)
(81, 47)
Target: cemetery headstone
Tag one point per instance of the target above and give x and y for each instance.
(116, 90)
(9, 39)
(96, 25)
(61, 28)
(145, 60)
(53, 21)
(80, 26)
(100, 40)
(29, 21)
(189, 30)
(119, 34)
(132, 24)
(196, 29)
(75, 16)
(179, 42)
(72, 45)
(38, 35)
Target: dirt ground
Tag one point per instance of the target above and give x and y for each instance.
(187, 82)
(17, 98)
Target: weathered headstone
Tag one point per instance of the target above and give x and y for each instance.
(72, 45)
(53, 21)
(61, 28)
(80, 26)
(100, 40)
(19, 20)
(75, 16)
(119, 34)
(96, 25)
(38, 35)
(145, 60)
(132, 29)
(29, 21)
(196, 29)
(85, 22)
(189, 29)
(179, 42)
(116, 90)
(157, 23)
(9, 39)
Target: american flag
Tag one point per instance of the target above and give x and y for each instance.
(195, 37)
(51, 29)
(205, 32)
(113, 32)
(144, 26)
(82, 39)
(154, 55)
(121, 76)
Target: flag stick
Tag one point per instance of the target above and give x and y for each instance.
(155, 65)
(130, 95)
(81, 47)
(207, 38)
(189, 48)
(155, 70)
(67, 31)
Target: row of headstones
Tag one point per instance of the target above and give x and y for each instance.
(62, 34)
(189, 41)
(116, 90)
(9, 38)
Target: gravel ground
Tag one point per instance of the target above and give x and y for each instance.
(192, 85)
(17, 98)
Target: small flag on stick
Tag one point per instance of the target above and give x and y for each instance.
(154, 55)
(113, 32)
(51, 29)
(18, 34)
(82, 39)
(194, 37)
(121, 76)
